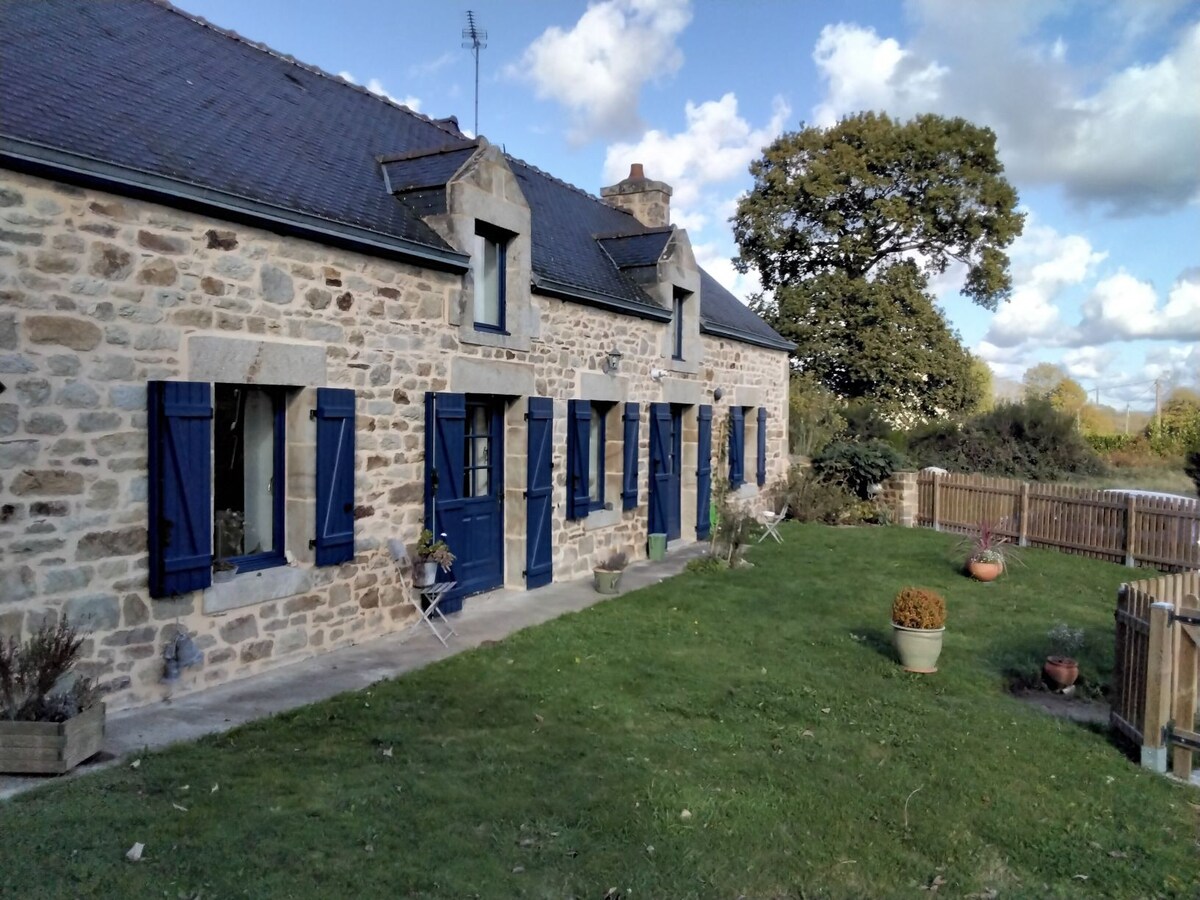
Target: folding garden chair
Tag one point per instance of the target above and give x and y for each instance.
(426, 600)
(771, 521)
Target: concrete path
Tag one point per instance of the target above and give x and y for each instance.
(488, 617)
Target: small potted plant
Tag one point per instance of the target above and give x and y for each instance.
(430, 555)
(918, 623)
(1061, 668)
(228, 531)
(50, 719)
(607, 575)
(988, 551)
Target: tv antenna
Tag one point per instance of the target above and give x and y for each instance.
(475, 39)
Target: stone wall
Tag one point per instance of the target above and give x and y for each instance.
(100, 294)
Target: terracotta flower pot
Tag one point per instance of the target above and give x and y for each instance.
(918, 648)
(1061, 670)
(984, 571)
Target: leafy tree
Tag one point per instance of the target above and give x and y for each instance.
(1039, 381)
(1068, 396)
(1097, 419)
(813, 419)
(983, 385)
(880, 339)
(1191, 466)
(845, 225)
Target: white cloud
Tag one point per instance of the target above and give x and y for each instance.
(716, 146)
(1088, 363)
(597, 68)
(1055, 123)
(1122, 307)
(865, 72)
(717, 261)
(1044, 265)
(375, 86)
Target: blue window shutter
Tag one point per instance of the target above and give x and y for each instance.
(335, 476)
(579, 423)
(703, 472)
(539, 493)
(660, 467)
(737, 447)
(629, 477)
(762, 446)
(180, 491)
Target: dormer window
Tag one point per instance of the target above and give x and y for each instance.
(491, 248)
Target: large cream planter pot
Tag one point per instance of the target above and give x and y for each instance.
(919, 648)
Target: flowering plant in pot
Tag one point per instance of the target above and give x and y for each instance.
(1061, 667)
(918, 623)
(606, 577)
(430, 555)
(50, 718)
(988, 553)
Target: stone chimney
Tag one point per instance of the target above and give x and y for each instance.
(648, 201)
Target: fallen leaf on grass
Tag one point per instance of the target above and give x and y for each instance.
(1080, 877)
(387, 751)
(1118, 854)
(517, 870)
(933, 886)
(827, 709)
(135, 764)
(685, 815)
(538, 719)
(134, 853)
(806, 733)
(215, 788)
(180, 808)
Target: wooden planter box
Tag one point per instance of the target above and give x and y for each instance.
(51, 748)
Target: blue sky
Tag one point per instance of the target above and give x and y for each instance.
(1096, 107)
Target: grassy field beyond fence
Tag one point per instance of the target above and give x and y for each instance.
(736, 734)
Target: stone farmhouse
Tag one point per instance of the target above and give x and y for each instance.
(252, 314)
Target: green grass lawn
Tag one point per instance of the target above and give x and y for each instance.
(559, 763)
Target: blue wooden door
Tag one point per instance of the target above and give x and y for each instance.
(666, 437)
(703, 472)
(674, 497)
(463, 489)
(539, 561)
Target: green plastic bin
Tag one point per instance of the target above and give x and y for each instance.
(658, 546)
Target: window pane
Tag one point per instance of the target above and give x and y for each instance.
(244, 472)
(596, 457)
(478, 452)
(678, 324)
(487, 281)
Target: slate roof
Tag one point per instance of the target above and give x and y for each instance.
(631, 251)
(139, 87)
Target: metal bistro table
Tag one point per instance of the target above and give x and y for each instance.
(433, 595)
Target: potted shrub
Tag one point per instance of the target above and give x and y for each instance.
(988, 552)
(918, 623)
(50, 721)
(430, 555)
(606, 577)
(1061, 667)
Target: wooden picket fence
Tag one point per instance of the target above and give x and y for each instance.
(1157, 532)
(1157, 669)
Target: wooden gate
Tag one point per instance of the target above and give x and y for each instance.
(1157, 668)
